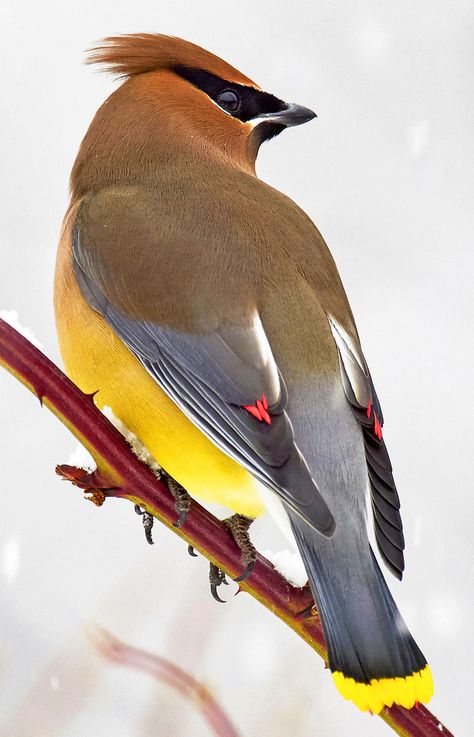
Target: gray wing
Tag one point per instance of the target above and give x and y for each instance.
(227, 383)
(360, 392)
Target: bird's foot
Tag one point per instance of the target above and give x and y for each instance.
(238, 525)
(182, 501)
(216, 578)
(147, 520)
(94, 484)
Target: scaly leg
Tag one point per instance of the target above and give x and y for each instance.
(182, 500)
(238, 525)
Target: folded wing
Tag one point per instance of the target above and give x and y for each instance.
(226, 381)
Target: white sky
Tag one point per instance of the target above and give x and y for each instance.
(384, 172)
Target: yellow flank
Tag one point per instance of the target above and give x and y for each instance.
(382, 692)
(96, 359)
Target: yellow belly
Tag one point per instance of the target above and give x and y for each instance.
(95, 359)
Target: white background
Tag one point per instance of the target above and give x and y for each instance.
(385, 173)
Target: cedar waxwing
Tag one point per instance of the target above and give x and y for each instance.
(207, 309)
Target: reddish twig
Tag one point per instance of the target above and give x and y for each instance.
(164, 670)
(120, 474)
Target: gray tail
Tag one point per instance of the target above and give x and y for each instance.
(365, 634)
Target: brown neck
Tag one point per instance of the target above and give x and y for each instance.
(145, 127)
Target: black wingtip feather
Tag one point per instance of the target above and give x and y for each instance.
(385, 500)
(388, 511)
(394, 534)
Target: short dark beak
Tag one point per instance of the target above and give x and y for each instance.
(291, 115)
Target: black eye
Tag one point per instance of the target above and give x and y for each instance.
(228, 100)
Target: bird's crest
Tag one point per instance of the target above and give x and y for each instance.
(133, 54)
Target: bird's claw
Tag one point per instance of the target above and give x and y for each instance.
(147, 523)
(215, 595)
(182, 518)
(243, 576)
(216, 578)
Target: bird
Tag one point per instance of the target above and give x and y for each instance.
(207, 309)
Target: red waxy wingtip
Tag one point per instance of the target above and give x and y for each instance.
(266, 417)
(260, 410)
(369, 407)
(253, 411)
(377, 427)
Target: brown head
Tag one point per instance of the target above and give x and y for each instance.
(176, 99)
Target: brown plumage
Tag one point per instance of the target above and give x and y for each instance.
(187, 290)
(132, 54)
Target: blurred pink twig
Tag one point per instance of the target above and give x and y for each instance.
(163, 670)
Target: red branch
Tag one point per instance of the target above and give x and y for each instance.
(167, 672)
(121, 474)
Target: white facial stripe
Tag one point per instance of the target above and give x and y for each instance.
(221, 108)
(256, 121)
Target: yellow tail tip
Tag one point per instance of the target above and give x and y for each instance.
(382, 692)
